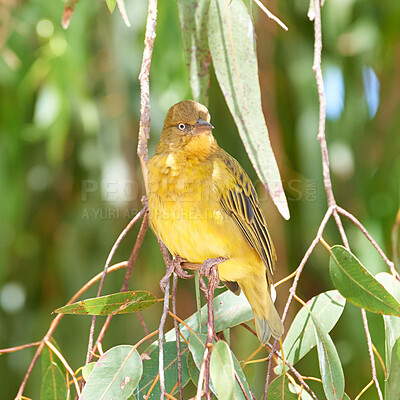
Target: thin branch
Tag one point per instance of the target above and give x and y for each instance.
(135, 251)
(177, 335)
(298, 376)
(322, 103)
(129, 267)
(55, 323)
(395, 241)
(205, 366)
(367, 386)
(319, 234)
(270, 15)
(18, 348)
(166, 284)
(326, 171)
(161, 340)
(144, 79)
(341, 230)
(293, 288)
(371, 353)
(108, 262)
(240, 383)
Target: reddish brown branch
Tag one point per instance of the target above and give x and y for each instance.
(293, 288)
(135, 251)
(108, 262)
(177, 335)
(144, 79)
(161, 339)
(395, 241)
(205, 366)
(371, 353)
(55, 323)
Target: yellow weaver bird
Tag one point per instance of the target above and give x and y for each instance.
(203, 205)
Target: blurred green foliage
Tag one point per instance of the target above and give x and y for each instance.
(70, 179)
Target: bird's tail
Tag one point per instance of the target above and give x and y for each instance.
(266, 317)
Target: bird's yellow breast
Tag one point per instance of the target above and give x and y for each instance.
(185, 212)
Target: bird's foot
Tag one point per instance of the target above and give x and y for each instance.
(145, 201)
(209, 269)
(210, 263)
(174, 267)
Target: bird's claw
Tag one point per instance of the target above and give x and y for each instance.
(210, 263)
(174, 267)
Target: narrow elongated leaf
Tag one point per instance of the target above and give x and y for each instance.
(229, 310)
(329, 363)
(300, 339)
(150, 371)
(232, 46)
(279, 389)
(117, 303)
(193, 15)
(358, 286)
(392, 323)
(115, 375)
(222, 371)
(54, 386)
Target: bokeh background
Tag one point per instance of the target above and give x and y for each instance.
(70, 179)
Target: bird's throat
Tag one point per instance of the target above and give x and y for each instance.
(201, 146)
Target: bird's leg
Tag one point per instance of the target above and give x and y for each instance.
(174, 266)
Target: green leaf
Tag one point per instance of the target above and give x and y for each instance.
(197, 346)
(232, 45)
(117, 303)
(279, 389)
(54, 386)
(150, 370)
(193, 15)
(392, 323)
(358, 286)
(229, 310)
(329, 363)
(49, 358)
(193, 370)
(111, 5)
(222, 370)
(87, 370)
(115, 375)
(300, 339)
(392, 384)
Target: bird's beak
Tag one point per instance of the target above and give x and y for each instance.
(202, 126)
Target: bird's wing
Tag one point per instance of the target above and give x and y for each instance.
(239, 199)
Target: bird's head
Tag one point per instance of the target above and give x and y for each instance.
(187, 127)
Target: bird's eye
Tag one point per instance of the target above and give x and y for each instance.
(181, 126)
